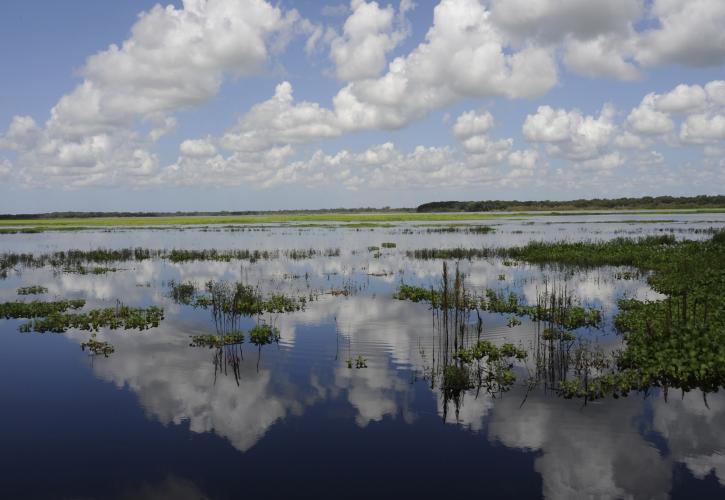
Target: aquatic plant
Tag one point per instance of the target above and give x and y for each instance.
(263, 334)
(675, 343)
(217, 341)
(97, 347)
(76, 260)
(121, 316)
(32, 290)
(38, 309)
(388, 245)
(182, 293)
(358, 362)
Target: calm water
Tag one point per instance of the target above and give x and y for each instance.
(159, 419)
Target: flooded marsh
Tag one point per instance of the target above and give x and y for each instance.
(539, 357)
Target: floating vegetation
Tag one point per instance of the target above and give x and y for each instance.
(97, 347)
(358, 362)
(75, 260)
(263, 334)
(485, 365)
(182, 293)
(229, 301)
(626, 275)
(616, 252)
(121, 316)
(513, 321)
(78, 269)
(32, 290)
(388, 245)
(678, 342)
(459, 228)
(37, 309)
(217, 341)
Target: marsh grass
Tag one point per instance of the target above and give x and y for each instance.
(32, 290)
(76, 260)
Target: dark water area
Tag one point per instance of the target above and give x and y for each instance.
(159, 418)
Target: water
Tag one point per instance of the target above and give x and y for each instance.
(158, 418)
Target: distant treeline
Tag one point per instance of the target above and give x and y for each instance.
(79, 215)
(644, 203)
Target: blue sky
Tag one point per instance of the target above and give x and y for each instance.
(246, 104)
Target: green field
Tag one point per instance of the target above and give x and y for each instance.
(344, 218)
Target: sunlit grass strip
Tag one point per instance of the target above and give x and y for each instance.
(80, 222)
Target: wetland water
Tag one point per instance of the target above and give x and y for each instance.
(349, 400)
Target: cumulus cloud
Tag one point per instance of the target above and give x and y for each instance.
(553, 20)
(105, 130)
(647, 119)
(601, 56)
(199, 148)
(5, 168)
(367, 37)
(689, 33)
(703, 107)
(703, 128)
(618, 37)
(462, 56)
(570, 134)
(472, 123)
(174, 58)
(281, 120)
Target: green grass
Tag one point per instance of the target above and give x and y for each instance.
(354, 219)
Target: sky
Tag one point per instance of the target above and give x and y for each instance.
(259, 105)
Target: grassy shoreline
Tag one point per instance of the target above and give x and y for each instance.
(141, 222)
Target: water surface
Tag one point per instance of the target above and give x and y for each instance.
(160, 419)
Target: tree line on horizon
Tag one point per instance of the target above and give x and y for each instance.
(644, 202)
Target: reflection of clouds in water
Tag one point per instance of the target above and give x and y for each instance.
(373, 328)
(694, 431)
(592, 452)
(372, 391)
(595, 451)
(175, 383)
(471, 412)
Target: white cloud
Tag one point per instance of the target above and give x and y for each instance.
(600, 56)
(280, 120)
(5, 168)
(22, 133)
(569, 134)
(628, 140)
(472, 123)
(681, 99)
(553, 20)
(646, 119)
(368, 36)
(463, 55)
(690, 33)
(716, 91)
(174, 58)
(197, 148)
(702, 128)
(704, 108)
